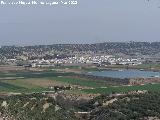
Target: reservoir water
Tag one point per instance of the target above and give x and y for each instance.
(125, 73)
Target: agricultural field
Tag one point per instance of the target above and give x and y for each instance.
(28, 81)
(80, 81)
(38, 81)
(150, 66)
(41, 81)
(123, 89)
(147, 66)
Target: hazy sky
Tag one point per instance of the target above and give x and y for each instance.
(88, 22)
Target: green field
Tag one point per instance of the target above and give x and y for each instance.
(120, 89)
(80, 81)
(147, 66)
(150, 65)
(9, 87)
(41, 81)
(17, 81)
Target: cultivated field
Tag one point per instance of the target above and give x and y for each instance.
(38, 81)
(123, 89)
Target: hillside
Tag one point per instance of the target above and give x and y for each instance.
(65, 50)
(33, 107)
(130, 106)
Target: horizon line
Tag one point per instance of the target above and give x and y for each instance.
(79, 43)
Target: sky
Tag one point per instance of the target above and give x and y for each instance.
(90, 21)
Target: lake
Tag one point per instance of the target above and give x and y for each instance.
(125, 73)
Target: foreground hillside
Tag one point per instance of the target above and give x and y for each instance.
(33, 107)
(131, 106)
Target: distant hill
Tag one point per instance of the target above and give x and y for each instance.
(126, 48)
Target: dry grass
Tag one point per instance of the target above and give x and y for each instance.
(7, 68)
(34, 83)
(41, 82)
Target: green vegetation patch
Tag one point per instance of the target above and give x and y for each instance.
(149, 65)
(10, 87)
(80, 81)
(118, 89)
(19, 86)
(31, 74)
